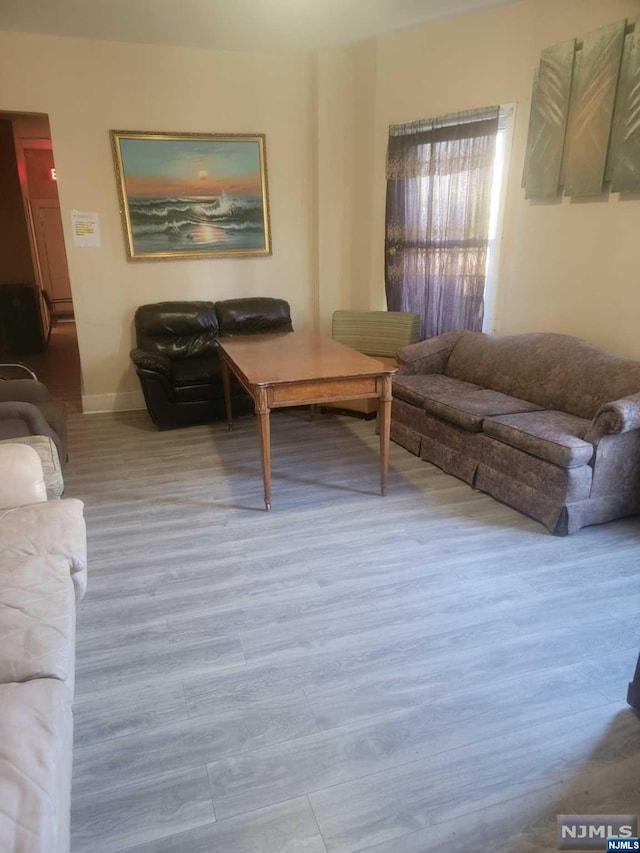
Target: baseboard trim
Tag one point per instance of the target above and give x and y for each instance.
(124, 401)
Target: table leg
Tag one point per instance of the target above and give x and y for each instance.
(227, 393)
(385, 429)
(264, 429)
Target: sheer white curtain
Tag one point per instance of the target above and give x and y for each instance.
(439, 183)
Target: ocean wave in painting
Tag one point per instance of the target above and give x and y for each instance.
(193, 223)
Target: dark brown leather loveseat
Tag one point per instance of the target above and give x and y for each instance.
(176, 357)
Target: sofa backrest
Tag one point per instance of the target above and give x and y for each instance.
(377, 333)
(554, 371)
(178, 329)
(253, 315)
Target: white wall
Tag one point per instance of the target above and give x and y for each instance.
(565, 266)
(345, 98)
(334, 97)
(89, 87)
(569, 266)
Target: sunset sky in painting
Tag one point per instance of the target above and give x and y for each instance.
(177, 167)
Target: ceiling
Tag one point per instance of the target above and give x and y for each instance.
(228, 24)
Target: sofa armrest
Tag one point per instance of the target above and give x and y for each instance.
(22, 480)
(30, 418)
(24, 390)
(145, 360)
(428, 356)
(616, 417)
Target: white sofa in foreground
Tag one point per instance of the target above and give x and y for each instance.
(43, 569)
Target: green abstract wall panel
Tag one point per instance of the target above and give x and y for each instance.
(527, 155)
(620, 110)
(626, 173)
(584, 126)
(595, 89)
(571, 118)
(548, 120)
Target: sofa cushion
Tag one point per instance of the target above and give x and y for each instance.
(554, 436)
(22, 482)
(563, 484)
(47, 451)
(52, 528)
(37, 619)
(199, 370)
(413, 388)
(35, 765)
(468, 408)
(198, 393)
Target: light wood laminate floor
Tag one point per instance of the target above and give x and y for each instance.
(425, 671)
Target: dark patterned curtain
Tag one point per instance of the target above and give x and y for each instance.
(439, 179)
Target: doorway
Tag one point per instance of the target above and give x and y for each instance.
(46, 217)
(35, 291)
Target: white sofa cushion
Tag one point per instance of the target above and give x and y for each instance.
(53, 528)
(35, 766)
(37, 619)
(48, 452)
(22, 480)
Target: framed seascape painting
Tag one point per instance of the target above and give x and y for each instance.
(192, 195)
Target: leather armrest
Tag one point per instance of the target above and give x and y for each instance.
(145, 360)
(428, 356)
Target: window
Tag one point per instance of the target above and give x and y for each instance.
(444, 194)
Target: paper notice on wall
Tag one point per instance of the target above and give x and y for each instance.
(86, 229)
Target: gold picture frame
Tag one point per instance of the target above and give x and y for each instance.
(192, 195)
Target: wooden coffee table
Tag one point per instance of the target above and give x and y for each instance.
(300, 368)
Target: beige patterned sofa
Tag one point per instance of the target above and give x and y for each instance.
(546, 423)
(42, 574)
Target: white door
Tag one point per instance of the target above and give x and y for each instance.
(52, 255)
